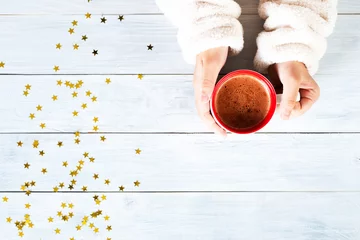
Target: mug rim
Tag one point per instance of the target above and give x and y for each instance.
(270, 90)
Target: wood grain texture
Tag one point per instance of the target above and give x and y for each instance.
(267, 216)
(123, 7)
(185, 162)
(27, 46)
(154, 104)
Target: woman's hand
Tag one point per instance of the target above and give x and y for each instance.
(207, 69)
(296, 78)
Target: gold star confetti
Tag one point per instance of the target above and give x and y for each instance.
(27, 184)
(20, 143)
(95, 119)
(108, 238)
(70, 205)
(75, 113)
(137, 151)
(74, 94)
(95, 52)
(121, 18)
(65, 218)
(95, 128)
(54, 97)
(84, 188)
(73, 182)
(55, 189)
(42, 125)
(91, 225)
(88, 15)
(74, 23)
(23, 187)
(102, 138)
(28, 192)
(73, 173)
(96, 230)
(95, 176)
(2, 64)
(36, 143)
(65, 164)
(84, 38)
(121, 188)
(8, 219)
(26, 165)
(71, 187)
(77, 134)
(50, 219)
(140, 76)
(103, 20)
(86, 154)
(28, 87)
(63, 205)
(150, 47)
(33, 183)
(56, 68)
(81, 162)
(92, 159)
(88, 93)
(108, 228)
(5, 199)
(59, 82)
(108, 81)
(94, 99)
(107, 181)
(39, 108)
(21, 234)
(77, 86)
(41, 153)
(44, 171)
(71, 31)
(27, 205)
(61, 185)
(103, 197)
(77, 141)
(71, 85)
(31, 225)
(136, 183)
(76, 46)
(25, 93)
(57, 231)
(78, 228)
(84, 106)
(58, 46)
(59, 214)
(72, 238)
(106, 218)
(97, 202)
(60, 144)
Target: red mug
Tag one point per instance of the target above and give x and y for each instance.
(268, 86)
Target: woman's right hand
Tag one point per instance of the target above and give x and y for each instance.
(207, 69)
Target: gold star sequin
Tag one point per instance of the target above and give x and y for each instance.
(84, 38)
(59, 82)
(107, 182)
(65, 164)
(50, 219)
(137, 151)
(150, 47)
(33, 183)
(54, 97)
(88, 15)
(23, 187)
(103, 20)
(21, 234)
(71, 205)
(41, 153)
(86, 154)
(28, 87)
(25, 93)
(26, 165)
(61, 185)
(97, 202)
(102, 138)
(8, 219)
(95, 128)
(95, 176)
(44, 171)
(67, 83)
(74, 94)
(2, 64)
(78, 228)
(27, 205)
(27, 184)
(106, 218)
(77, 134)
(121, 18)
(73, 173)
(77, 141)
(55, 189)
(71, 187)
(88, 93)
(136, 183)
(84, 188)
(58, 46)
(60, 144)
(95, 119)
(121, 188)
(65, 218)
(75, 113)
(92, 159)
(91, 225)
(95, 52)
(5, 199)
(76, 46)
(81, 162)
(71, 31)
(28, 192)
(59, 214)
(36, 143)
(108, 228)
(63, 205)
(56, 68)
(74, 23)
(84, 106)
(108, 81)
(73, 182)
(57, 231)
(71, 85)
(20, 143)
(80, 82)
(96, 230)
(94, 99)
(31, 225)
(140, 76)
(39, 108)
(42, 125)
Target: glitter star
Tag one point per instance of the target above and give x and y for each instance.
(84, 38)
(28, 87)
(59, 83)
(28, 192)
(60, 144)
(108, 81)
(2, 64)
(95, 119)
(91, 225)
(84, 188)
(92, 159)
(44, 171)
(54, 97)
(50, 219)
(56, 68)
(75, 113)
(25, 93)
(71, 205)
(74, 94)
(76, 46)
(73, 182)
(65, 218)
(102, 138)
(108, 228)
(136, 183)
(73, 173)
(27, 205)
(78, 228)
(61, 185)
(5, 199)
(71, 31)
(59, 214)
(72, 238)
(58, 46)
(26, 165)
(39, 108)
(121, 188)
(31, 225)
(84, 106)
(33, 183)
(81, 162)
(42, 125)
(27, 184)
(55, 189)
(41, 153)
(106, 218)
(94, 99)
(21, 234)
(108, 238)
(137, 151)
(107, 181)
(77, 141)
(36, 143)
(65, 164)
(96, 176)
(57, 231)
(77, 134)
(140, 76)
(96, 230)
(95, 128)
(97, 202)
(8, 219)
(20, 143)
(103, 20)
(95, 52)
(74, 23)
(150, 47)
(88, 15)
(23, 187)
(121, 18)
(88, 93)
(71, 187)
(63, 205)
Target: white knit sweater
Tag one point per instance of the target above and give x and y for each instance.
(294, 30)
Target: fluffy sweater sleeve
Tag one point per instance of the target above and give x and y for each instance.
(204, 24)
(294, 30)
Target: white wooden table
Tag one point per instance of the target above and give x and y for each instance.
(297, 180)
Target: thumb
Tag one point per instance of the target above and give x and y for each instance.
(288, 102)
(208, 80)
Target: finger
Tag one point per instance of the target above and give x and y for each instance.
(205, 80)
(288, 102)
(307, 100)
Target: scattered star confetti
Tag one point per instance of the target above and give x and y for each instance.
(58, 46)
(65, 164)
(20, 143)
(84, 188)
(33, 183)
(2, 64)
(106, 218)
(92, 159)
(54, 97)
(94, 99)
(103, 197)
(108, 81)
(103, 20)
(57, 231)
(28, 192)
(95, 128)
(36, 143)
(27, 205)
(84, 106)
(44, 170)
(71, 31)
(75, 113)
(95, 119)
(61, 185)
(32, 116)
(108, 228)
(150, 47)
(55, 189)
(136, 183)
(140, 76)
(74, 23)
(41, 153)
(28, 87)
(42, 125)
(121, 188)
(84, 37)
(78, 228)
(71, 187)
(60, 144)
(96, 230)
(107, 181)
(74, 94)
(88, 93)
(5, 199)
(25, 93)
(56, 68)
(95, 52)
(39, 108)
(77, 141)
(76, 46)
(50, 219)
(96, 176)
(21, 234)
(102, 138)
(137, 151)
(77, 134)
(26, 165)
(81, 162)
(8, 219)
(88, 15)
(121, 18)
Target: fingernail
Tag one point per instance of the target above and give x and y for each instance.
(204, 98)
